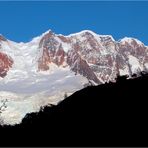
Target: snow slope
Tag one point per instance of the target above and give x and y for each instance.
(28, 94)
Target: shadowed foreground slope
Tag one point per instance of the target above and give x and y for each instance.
(113, 114)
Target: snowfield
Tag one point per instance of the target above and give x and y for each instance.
(28, 94)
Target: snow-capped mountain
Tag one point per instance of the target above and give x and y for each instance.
(42, 71)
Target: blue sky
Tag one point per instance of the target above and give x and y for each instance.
(21, 21)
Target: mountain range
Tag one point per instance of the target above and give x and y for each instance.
(52, 66)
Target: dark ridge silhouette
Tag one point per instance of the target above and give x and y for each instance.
(113, 114)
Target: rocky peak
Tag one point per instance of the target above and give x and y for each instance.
(2, 38)
(131, 41)
(132, 46)
(48, 37)
(53, 51)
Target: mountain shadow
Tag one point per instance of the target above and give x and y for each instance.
(113, 114)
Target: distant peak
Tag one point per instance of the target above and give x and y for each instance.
(48, 31)
(129, 40)
(82, 32)
(38, 38)
(2, 38)
(92, 33)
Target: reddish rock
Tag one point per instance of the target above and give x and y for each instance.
(48, 56)
(64, 39)
(80, 66)
(5, 64)
(44, 60)
(59, 56)
(52, 51)
(45, 38)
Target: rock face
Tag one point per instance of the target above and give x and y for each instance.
(52, 52)
(5, 64)
(98, 57)
(6, 61)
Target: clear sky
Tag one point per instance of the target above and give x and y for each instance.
(21, 21)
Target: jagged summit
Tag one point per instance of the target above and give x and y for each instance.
(51, 65)
(82, 32)
(131, 40)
